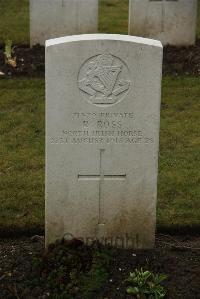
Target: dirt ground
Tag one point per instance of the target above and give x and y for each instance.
(176, 256)
(30, 61)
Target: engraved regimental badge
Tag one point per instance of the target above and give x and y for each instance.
(104, 79)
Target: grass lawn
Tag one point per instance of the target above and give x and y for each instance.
(22, 153)
(22, 133)
(14, 20)
(179, 175)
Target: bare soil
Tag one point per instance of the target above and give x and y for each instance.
(31, 61)
(176, 256)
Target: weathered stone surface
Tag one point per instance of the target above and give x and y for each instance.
(170, 21)
(102, 138)
(56, 18)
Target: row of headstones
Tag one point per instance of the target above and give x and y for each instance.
(170, 21)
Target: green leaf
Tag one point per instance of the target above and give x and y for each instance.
(133, 291)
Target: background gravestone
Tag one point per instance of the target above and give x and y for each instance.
(56, 18)
(170, 21)
(102, 138)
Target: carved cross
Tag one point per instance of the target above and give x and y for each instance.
(101, 177)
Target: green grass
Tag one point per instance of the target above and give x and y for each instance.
(198, 20)
(179, 175)
(14, 20)
(113, 16)
(22, 153)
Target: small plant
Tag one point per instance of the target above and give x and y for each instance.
(8, 54)
(146, 285)
(71, 269)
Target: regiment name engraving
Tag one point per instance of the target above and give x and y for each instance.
(102, 128)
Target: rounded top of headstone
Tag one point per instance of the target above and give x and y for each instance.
(114, 37)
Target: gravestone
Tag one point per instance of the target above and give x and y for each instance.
(56, 18)
(170, 21)
(102, 138)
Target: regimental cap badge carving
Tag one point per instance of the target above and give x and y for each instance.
(104, 79)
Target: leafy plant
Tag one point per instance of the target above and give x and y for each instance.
(146, 285)
(8, 54)
(94, 279)
(69, 269)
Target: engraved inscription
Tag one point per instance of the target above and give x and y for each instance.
(104, 80)
(124, 241)
(102, 128)
(102, 137)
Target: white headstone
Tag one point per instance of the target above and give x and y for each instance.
(56, 18)
(170, 21)
(102, 138)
